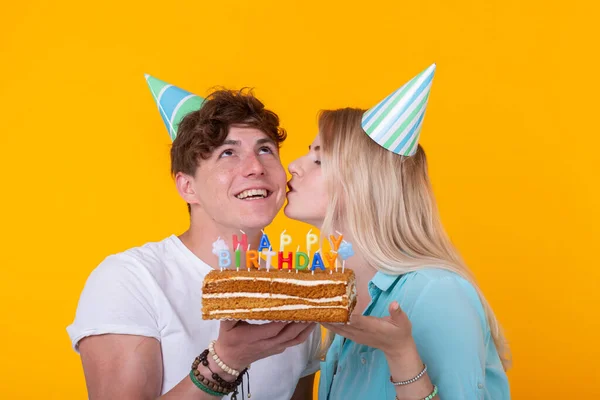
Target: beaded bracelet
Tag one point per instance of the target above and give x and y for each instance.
(221, 387)
(431, 396)
(220, 363)
(203, 387)
(412, 380)
(230, 386)
(211, 385)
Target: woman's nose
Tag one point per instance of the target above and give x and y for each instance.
(294, 168)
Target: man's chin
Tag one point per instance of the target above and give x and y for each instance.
(256, 223)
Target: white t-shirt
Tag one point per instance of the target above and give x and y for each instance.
(156, 290)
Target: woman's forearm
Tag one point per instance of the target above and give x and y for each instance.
(406, 364)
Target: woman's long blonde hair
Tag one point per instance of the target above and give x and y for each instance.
(385, 203)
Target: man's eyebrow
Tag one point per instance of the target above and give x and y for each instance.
(230, 142)
(317, 148)
(265, 140)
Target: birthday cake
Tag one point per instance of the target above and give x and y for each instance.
(279, 295)
(298, 288)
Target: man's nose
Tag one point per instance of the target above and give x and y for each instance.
(253, 166)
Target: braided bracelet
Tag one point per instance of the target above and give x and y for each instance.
(431, 396)
(200, 385)
(220, 363)
(412, 380)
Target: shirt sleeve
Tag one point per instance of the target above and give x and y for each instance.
(116, 299)
(314, 361)
(448, 329)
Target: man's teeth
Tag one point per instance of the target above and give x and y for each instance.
(253, 193)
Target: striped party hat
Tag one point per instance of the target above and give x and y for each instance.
(395, 123)
(173, 103)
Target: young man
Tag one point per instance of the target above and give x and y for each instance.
(138, 325)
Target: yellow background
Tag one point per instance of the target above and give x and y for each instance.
(511, 133)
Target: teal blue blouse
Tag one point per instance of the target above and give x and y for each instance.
(451, 333)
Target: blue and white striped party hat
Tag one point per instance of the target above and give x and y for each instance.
(173, 103)
(395, 123)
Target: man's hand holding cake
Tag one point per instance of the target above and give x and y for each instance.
(240, 344)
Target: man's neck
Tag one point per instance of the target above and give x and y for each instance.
(199, 238)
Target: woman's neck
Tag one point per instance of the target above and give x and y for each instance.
(364, 273)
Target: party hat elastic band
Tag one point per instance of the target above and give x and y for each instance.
(395, 123)
(173, 103)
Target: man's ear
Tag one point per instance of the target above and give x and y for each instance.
(186, 188)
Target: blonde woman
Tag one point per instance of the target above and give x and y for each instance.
(422, 329)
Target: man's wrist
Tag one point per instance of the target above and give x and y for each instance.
(213, 367)
(227, 358)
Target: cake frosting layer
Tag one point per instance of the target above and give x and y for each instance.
(288, 307)
(275, 287)
(269, 296)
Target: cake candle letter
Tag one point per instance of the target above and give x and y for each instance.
(221, 250)
(311, 239)
(331, 258)
(301, 261)
(265, 244)
(238, 257)
(243, 243)
(298, 265)
(246, 257)
(252, 259)
(236, 245)
(284, 240)
(269, 254)
(224, 259)
(335, 243)
(317, 262)
(289, 260)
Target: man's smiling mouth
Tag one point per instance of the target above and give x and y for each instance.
(253, 194)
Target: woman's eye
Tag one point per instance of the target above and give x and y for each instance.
(265, 150)
(226, 153)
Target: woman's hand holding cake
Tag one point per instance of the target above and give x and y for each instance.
(391, 334)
